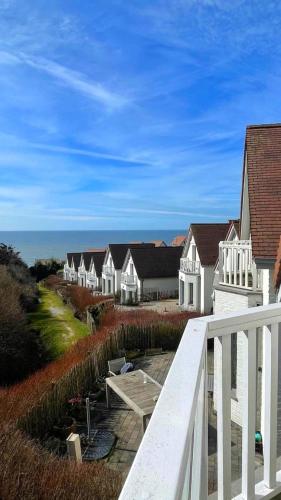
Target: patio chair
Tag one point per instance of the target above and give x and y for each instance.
(115, 365)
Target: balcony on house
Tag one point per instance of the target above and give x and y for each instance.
(92, 279)
(172, 460)
(107, 270)
(189, 266)
(236, 265)
(128, 279)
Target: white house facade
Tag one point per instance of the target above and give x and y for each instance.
(70, 270)
(245, 272)
(150, 273)
(197, 263)
(112, 265)
(94, 273)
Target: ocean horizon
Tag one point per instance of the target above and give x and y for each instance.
(34, 245)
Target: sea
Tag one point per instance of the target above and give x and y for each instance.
(34, 245)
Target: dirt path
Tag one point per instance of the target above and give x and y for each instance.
(58, 312)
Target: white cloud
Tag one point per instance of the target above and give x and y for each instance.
(78, 82)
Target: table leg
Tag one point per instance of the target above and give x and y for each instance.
(144, 424)
(107, 391)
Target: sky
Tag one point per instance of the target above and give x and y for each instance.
(131, 114)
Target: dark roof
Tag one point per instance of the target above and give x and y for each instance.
(98, 258)
(76, 256)
(158, 262)
(119, 250)
(263, 159)
(87, 257)
(207, 238)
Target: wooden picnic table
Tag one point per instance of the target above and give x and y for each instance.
(138, 390)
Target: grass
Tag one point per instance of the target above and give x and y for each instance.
(58, 327)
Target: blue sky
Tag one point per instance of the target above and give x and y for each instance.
(127, 115)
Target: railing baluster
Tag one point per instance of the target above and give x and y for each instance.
(249, 416)
(199, 484)
(224, 417)
(270, 403)
(225, 265)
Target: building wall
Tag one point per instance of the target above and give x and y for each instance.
(226, 302)
(161, 284)
(207, 279)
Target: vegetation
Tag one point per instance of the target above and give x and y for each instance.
(58, 327)
(43, 268)
(33, 405)
(21, 349)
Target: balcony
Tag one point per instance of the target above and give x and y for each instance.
(236, 266)
(91, 279)
(172, 460)
(128, 279)
(107, 270)
(189, 266)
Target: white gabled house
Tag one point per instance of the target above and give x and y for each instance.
(245, 273)
(149, 273)
(70, 270)
(94, 274)
(112, 265)
(197, 263)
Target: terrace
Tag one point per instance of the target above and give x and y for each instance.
(188, 452)
(108, 270)
(189, 266)
(236, 265)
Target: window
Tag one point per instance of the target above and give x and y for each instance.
(193, 252)
(131, 269)
(109, 286)
(190, 287)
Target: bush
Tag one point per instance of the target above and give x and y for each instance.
(42, 269)
(21, 350)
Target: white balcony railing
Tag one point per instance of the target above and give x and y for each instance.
(189, 266)
(91, 279)
(108, 270)
(172, 460)
(236, 265)
(128, 279)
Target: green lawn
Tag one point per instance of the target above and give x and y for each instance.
(56, 322)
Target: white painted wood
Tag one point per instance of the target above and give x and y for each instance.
(223, 418)
(235, 265)
(270, 403)
(199, 483)
(160, 466)
(249, 416)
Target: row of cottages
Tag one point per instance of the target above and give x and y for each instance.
(90, 269)
(244, 275)
(196, 274)
(150, 273)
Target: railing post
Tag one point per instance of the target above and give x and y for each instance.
(199, 483)
(249, 415)
(270, 403)
(224, 417)
(224, 265)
